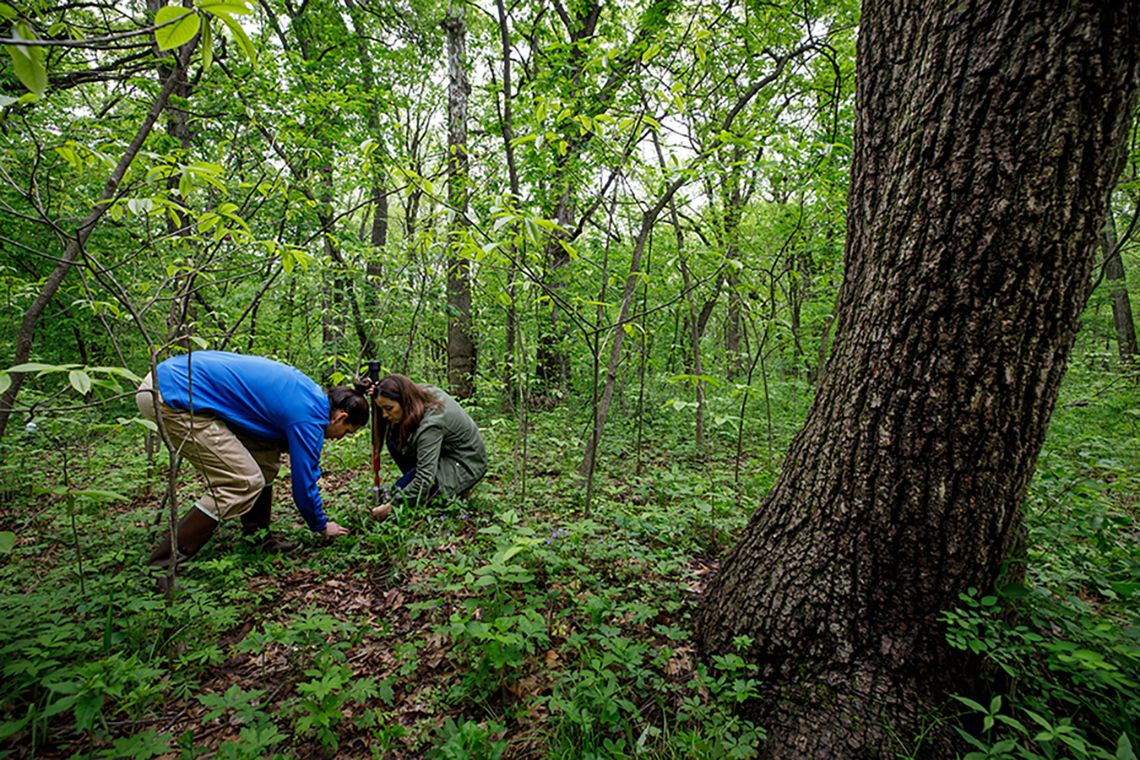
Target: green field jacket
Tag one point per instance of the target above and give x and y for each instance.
(448, 448)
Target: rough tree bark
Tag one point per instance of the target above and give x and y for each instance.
(460, 331)
(987, 139)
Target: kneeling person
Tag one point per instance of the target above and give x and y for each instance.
(435, 443)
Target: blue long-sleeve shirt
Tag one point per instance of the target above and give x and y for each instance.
(263, 399)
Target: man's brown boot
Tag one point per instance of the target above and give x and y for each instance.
(194, 530)
(257, 519)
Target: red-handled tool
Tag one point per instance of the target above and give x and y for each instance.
(377, 443)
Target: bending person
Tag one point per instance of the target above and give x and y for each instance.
(435, 443)
(231, 416)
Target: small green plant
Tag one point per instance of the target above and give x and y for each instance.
(315, 638)
(258, 735)
(56, 662)
(710, 727)
(1067, 637)
(498, 646)
(592, 703)
(120, 681)
(468, 740)
(1005, 737)
(319, 706)
(141, 746)
(384, 731)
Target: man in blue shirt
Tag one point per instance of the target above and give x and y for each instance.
(231, 416)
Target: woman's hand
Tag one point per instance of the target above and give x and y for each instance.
(382, 512)
(332, 530)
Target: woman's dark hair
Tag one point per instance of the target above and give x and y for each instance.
(414, 401)
(351, 400)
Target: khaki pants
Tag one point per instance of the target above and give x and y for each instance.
(236, 466)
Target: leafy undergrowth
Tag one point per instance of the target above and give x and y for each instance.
(1065, 666)
(486, 628)
(513, 625)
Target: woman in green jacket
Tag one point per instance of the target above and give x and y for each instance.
(437, 446)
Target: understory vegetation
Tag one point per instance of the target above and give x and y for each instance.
(517, 623)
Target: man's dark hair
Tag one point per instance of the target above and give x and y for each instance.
(351, 400)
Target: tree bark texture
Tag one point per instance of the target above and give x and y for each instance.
(460, 331)
(988, 136)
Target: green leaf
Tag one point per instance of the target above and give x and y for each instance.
(37, 367)
(62, 704)
(509, 553)
(95, 493)
(80, 381)
(139, 206)
(185, 25)
(68, 154)
(148, 424)
(5, 381)
(1126, 590)
(970, 703)
(227, 7)
(199, 341)
(7, 541)
(1124, 748)
(122, 371)
(207, 46)
(28, 60)
(241, 36)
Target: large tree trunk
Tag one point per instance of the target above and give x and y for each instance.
(987, 139)
(460, 333)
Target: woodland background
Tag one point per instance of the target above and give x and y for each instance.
(615, 230)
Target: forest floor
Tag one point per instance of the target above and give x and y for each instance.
(521, 624)
(391, 627)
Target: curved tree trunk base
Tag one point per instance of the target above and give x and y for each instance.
(852, 715)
